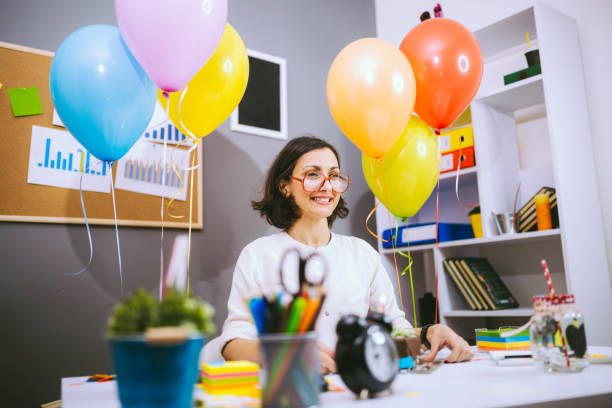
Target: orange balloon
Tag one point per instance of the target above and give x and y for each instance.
(447, 64)
(370, 93)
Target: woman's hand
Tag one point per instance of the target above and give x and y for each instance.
(327, 359)
(439, 336)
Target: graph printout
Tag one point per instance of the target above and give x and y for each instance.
(57, 159)
(143, 170)
(166, 132)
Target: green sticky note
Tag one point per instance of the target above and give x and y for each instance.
(25, 101)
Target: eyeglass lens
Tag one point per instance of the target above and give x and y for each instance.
(313, 182)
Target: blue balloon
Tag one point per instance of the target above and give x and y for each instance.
(100, 92)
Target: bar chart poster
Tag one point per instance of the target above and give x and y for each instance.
(58, 160)
(143, 170)
(166, 132)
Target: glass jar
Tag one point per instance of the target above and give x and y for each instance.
(558, 340)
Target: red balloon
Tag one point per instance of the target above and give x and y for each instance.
(447, 63)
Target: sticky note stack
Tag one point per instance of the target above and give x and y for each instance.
(231, 377)
(490, 340)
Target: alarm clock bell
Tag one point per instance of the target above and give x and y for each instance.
(366, 355)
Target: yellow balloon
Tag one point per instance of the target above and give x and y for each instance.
(410, 170)
(214, 92)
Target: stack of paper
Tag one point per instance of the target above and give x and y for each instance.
(231, 377)
(490, 340)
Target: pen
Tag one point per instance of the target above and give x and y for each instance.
(297, 310)
(312, 306)
(314, 319)
(258, 307)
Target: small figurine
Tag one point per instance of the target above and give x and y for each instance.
(438, 11)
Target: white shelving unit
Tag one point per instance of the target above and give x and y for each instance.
(535, 132)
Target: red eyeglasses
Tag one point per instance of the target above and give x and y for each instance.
(314, 180)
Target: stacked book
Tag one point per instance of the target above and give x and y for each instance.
(526, 216)
(230, 377)
(479, 283)
(491, 340)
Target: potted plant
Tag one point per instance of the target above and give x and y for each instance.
(155, 347)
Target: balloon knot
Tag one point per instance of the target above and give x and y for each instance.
(437, 132)
(166, 94)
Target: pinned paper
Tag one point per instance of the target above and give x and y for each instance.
(0, 85)
(25, 101)
(57, 121)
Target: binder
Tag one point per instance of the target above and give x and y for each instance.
(418, 234)
(450, 160)
(522, 74)
(456, 139)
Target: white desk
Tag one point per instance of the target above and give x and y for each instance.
(478, 383)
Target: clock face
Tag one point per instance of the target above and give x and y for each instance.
(380, 354)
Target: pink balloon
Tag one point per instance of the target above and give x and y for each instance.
(172, 40)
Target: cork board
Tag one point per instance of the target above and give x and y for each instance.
(24, 202)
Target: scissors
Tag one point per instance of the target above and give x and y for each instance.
(306, 284)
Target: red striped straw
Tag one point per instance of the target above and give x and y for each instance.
(567, 360)
(551, 289)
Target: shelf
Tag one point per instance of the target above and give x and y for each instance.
(518, 95)
(498, 239)
(507, 238)
(462, 172)
(506, 33)
(518, 312)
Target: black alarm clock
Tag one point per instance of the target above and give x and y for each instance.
(366, 355)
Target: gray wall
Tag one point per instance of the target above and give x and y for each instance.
(52, 325)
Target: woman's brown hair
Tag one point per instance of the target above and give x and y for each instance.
(278, 209)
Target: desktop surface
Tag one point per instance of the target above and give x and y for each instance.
(478, 383)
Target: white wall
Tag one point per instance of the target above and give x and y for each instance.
(394, 18)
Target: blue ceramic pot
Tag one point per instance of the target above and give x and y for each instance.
(154, 375)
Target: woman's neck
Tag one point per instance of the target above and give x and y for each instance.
(314, 233)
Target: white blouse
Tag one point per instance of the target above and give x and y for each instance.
(356, 281)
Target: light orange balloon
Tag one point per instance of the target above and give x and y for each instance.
(370, 93)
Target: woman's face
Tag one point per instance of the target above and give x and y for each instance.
(321, 203)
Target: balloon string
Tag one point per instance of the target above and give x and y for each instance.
(190, 216)
(437, 131)
(88, 233)
(372, 211)
(110, 171)
(409, 269)
(457, 182)
(161, 246)
(183, 93)
(178, 175)
(397, 276)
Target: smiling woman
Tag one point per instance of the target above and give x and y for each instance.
(302, 197)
